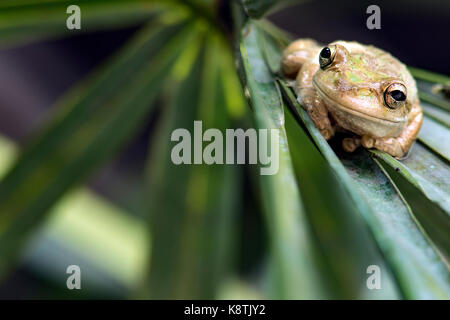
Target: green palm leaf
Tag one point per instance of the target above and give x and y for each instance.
(91, 124)
(295, 275)
(22, 21)
(257, 8)
(377, 206)
(193, 208)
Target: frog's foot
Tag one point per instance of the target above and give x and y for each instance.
(316, 111)
(351, 144)
(327, 133)
(397, 146)
(388, 145)
(296, 54)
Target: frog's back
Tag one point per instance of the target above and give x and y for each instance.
(382, 63)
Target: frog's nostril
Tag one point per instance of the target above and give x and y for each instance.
(398, 95)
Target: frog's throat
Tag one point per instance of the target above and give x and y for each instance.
(328, 99)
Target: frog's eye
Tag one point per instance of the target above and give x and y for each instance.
(395, 95)
(326, 56)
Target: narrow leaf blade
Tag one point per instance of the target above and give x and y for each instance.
(93, 123)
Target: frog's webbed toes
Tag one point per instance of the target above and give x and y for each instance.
(367, 142)
(327, 133)
(351, 144)
(388, 145)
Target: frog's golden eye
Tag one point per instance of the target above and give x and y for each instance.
(395, 95)
(326, 56)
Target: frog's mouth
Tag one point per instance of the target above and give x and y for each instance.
(329, 101)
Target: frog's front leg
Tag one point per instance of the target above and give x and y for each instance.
(398, 146)
(297, 62)
(310, 100)
(316, 110)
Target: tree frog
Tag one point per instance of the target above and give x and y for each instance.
(348, 86)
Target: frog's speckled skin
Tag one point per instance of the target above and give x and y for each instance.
(349, 94)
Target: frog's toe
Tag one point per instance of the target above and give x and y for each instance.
(391, 146)
(368, 142)
(388, 145)
(350, 144)
(327, 133)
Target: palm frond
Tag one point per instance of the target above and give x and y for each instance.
(92, 123)
(377, 205)
(193, 208)
(295, 274)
